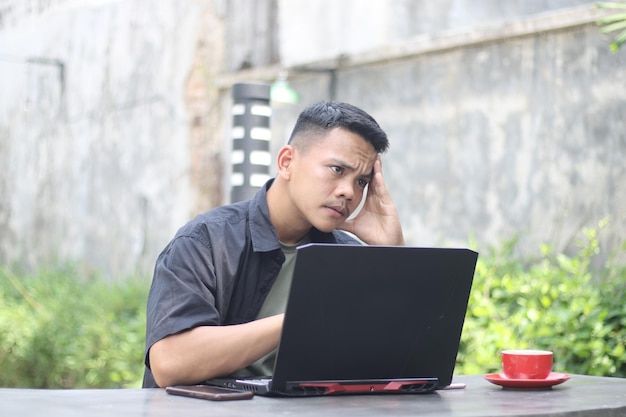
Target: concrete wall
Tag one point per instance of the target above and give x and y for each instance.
(96, 167)
(494, 130)
(313, 30)
(509, 128)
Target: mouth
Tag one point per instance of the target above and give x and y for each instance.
(340, 210)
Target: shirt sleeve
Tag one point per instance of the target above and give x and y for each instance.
(183, 291)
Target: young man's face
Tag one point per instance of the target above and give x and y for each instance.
(329, 177)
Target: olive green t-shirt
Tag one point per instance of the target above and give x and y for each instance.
(275, 303)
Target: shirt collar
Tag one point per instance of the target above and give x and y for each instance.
(262, 232)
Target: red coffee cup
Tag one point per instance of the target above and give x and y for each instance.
(526, 364)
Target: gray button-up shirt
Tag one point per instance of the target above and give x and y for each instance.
(217, 270)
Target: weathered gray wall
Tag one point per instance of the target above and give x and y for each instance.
(521, 136)
(98, 170)
(312, 30)
(517, 134)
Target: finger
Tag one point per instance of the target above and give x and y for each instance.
(376, 176)
(378, 186)
(379, 163)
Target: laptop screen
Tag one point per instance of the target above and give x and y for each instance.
(374, 313)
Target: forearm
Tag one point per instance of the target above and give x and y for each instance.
(210, 351)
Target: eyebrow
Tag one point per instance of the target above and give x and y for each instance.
(351, 168)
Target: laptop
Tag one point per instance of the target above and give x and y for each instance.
(369, 319)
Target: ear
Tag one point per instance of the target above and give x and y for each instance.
(284, 161)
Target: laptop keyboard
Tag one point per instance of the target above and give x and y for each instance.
(255, 381)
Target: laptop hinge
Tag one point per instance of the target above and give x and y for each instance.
(354, 387)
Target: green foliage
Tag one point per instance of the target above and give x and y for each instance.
(60, 331)
(614, 22)
(556, 302)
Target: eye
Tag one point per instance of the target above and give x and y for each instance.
(362, 182)
(337, 170)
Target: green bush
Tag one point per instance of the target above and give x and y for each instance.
(556, 302)
(58, 330)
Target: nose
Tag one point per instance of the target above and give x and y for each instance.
(346, 190)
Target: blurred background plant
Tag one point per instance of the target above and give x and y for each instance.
(614, 22)
(60, 329)
(556, 302)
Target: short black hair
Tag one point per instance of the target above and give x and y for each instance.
(318, 119)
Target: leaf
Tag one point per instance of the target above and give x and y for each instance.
(621, 38)
(612, 18)
(611, 5)
(614, 26)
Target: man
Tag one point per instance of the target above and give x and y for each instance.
(219, 289)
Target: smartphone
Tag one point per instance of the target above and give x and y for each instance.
(208, 392)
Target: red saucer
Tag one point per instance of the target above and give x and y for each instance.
(552, 379)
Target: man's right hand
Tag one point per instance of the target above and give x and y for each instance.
(207, 352)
